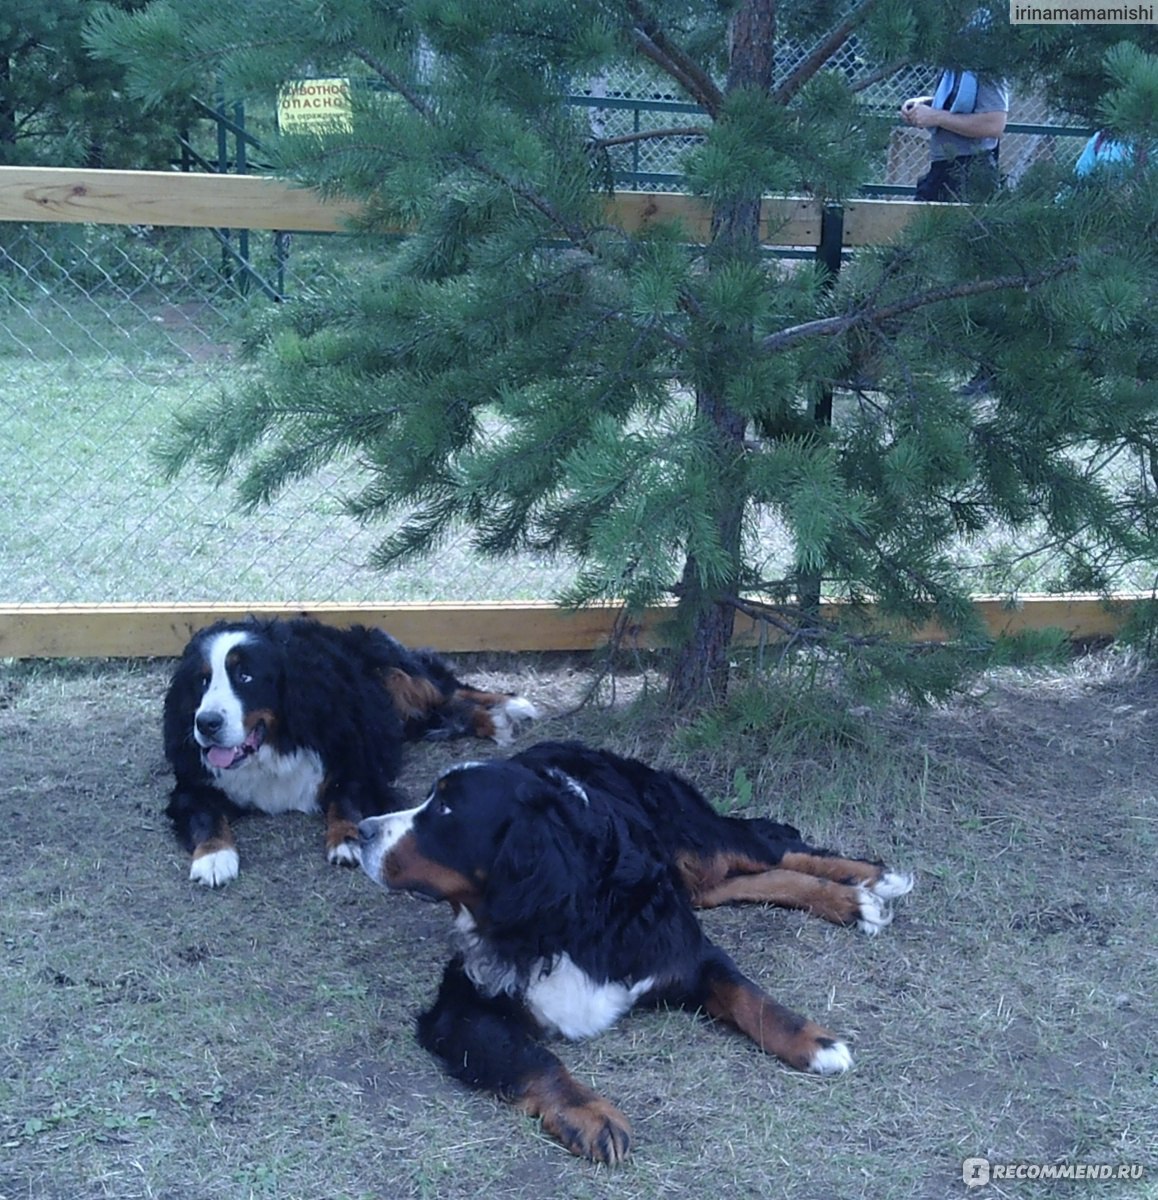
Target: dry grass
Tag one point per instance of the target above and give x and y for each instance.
(162, 1041)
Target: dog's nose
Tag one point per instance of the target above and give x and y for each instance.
(209, 723)
(367, 829)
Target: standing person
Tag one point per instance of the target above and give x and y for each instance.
(966, 117)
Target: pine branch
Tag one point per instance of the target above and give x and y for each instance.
(678, 341)
(626, 629)
(648, 37)
(784, 339)
(625, 139)
(977, 218)
(1038, 548)
(580, 236)
(880, 73)
(798, 625)
(821, 53)
(412, 97)
(929, 586)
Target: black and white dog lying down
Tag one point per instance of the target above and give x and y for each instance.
(297, 716)
(573, 874)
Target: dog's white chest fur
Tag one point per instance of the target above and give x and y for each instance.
(274, 783)
(568, 1000)
(563, 999)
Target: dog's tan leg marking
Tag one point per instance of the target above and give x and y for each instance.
(577, 1117)
(777, 1030)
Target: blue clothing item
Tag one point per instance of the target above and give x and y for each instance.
(1102, 151)
(956, 91)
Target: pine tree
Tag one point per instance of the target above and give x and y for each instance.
(520, 365)
(60, 106)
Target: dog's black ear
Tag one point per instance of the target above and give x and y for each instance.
(533, 889)
(299, 705)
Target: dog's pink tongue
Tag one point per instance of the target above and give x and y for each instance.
(220, 756)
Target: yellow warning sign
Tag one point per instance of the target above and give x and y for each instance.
(314, 106)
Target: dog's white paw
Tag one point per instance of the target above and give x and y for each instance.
(216, 867)
(831, 1060)
(875, 914)
(344, 854)
(892, 884)
(876, 911)
(510, 716)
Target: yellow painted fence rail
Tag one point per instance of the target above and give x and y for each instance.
(148, 630)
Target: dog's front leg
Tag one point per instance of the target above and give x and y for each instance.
(341, 833)
(198, 813)
(491, 1043)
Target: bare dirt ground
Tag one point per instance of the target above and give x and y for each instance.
(161, 1040)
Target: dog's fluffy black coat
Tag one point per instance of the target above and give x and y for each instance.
(573, 874)
(281, 715)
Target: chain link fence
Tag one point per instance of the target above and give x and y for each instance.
(637, 100)
(107, 332)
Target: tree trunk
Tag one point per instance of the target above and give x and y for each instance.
(699, 674)
(7, 114)
(706, 616)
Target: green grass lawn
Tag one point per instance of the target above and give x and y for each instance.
(87, 384)
(85, 516)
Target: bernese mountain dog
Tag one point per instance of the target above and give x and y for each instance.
(294, 715)
(573, 874)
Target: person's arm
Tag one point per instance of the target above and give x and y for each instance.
(970, 125)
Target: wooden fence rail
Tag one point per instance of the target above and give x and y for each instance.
(206, 201)
(147, 630)
(63, 195)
